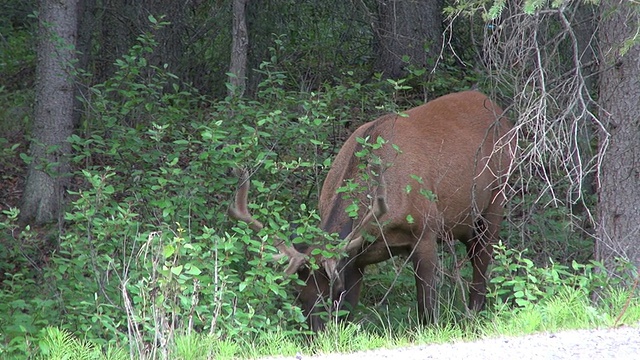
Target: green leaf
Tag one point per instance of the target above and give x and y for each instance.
(362, 153)
(176, 270)
(495, 10)
(168, 250)
(193, 270)
(26, 158)
(428, 194)
(352, 209)
(417, 178)
(522, 302)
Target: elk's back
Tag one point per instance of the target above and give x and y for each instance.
(446, 146)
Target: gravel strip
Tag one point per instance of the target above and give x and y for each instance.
(620, 343)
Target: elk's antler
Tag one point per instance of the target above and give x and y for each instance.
(355, 239)
(239, 210)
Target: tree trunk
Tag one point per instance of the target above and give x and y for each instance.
(239, 49)
(407, 27)
(53, 119)
(619, 192)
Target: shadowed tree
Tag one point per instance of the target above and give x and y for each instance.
(408, 28)
(619, 192)
(239, 49)
(53, 119)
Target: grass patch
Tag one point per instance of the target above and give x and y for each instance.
(569, 309)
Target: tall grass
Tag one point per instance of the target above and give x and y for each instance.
(570, 308)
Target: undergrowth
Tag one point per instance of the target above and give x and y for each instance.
(570, 308)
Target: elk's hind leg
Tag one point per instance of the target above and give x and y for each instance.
(480, 251)
(425, 259)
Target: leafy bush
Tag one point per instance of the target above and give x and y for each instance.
(146, 253)
(518, 282)
(23, 307)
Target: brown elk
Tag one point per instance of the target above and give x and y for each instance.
(454, 147)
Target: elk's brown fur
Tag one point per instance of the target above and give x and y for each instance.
(456, 147)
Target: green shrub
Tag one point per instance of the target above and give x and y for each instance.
(147, 254)
(24, 304)
(517, 281)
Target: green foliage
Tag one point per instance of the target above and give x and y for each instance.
(529, 7)
(14, 119)
(551, 230)
(194, 346)
(569, 308)
(24, 313)
(146, 254)
(23, 307)
(518, 282)
(495, 10)
(170, 169)
(17, 55)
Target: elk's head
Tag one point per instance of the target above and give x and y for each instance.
(324, 286)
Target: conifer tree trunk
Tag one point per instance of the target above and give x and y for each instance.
(239, 49)
(408, 28)
(619, 193)
(53, 120)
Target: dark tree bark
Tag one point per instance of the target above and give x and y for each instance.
(407, 27)
(619, 192)
(586, 16)
(53, 119)
(239, 49)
